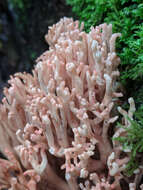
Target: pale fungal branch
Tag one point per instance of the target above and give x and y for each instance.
(57, 121)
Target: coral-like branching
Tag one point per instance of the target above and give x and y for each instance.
(55, 124)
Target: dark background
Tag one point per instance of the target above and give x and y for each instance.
(23, 24)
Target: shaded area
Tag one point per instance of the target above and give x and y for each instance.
(23, 25)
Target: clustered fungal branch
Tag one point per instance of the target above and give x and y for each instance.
(55, 123)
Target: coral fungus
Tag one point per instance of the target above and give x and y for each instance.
(55, 123)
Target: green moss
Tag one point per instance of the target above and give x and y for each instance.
(133, 141)
(19, 8)
(126, 17)
(20, 4)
